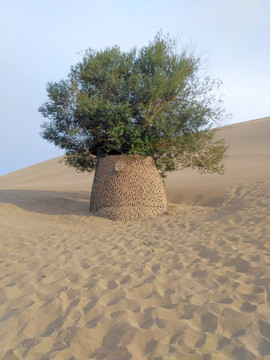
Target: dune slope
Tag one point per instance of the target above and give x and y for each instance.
(191, 284)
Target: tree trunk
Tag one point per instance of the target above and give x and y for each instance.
(127, 187)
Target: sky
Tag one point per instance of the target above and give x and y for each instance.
(41, 39)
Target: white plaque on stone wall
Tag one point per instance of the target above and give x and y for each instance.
(119, 165)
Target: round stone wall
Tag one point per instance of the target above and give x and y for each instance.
(127, 187)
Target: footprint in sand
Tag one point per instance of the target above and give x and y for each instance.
(248, 308)
(209, 323)
(222, 343)
(265, 329)
(112, 285)
(240, 353)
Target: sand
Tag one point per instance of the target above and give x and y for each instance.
(191, 284)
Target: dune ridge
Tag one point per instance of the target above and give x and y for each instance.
(191, 284)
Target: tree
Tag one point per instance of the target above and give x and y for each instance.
(150, 102)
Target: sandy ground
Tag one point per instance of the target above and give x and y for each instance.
(191, 284)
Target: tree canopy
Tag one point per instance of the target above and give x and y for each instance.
(152, 101)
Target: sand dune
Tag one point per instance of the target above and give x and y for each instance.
(191, 284)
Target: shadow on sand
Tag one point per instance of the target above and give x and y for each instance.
(48, 202)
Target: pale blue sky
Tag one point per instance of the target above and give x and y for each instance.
(41, 39)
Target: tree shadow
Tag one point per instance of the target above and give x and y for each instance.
(49, 202)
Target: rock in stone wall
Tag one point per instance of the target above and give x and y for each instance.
(127, 187)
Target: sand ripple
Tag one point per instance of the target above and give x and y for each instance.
(193, 284)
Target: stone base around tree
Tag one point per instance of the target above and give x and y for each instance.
(127, 187)
(129, 213)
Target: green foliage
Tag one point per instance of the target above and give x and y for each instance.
(150, 101)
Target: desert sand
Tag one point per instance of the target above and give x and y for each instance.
(193, 283)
